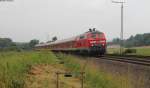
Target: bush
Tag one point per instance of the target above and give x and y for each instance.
(129, 51)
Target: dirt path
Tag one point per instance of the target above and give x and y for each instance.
(44, 76)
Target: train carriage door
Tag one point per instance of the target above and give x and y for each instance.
(77, 44)
(83, 40)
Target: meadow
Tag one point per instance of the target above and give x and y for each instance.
(15, 67)
(142, 51)
(94, 77)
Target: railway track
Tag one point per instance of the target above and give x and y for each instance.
(131, 60)
(145, 61)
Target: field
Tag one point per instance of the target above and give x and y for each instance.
(143, 51)
(38, 70)
(15, 65)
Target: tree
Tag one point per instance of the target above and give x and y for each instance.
(116, 41)
(33, 42)
(6, 42)
(23, 46)
(137, 40)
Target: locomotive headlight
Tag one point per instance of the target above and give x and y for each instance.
(92, 42)
(102, 41)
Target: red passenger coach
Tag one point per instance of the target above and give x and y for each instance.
(92, 42)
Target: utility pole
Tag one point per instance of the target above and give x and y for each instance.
(82, 79)
(122, 26)
(57, 81)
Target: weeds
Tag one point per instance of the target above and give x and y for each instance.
(94, 78)
(14, 66)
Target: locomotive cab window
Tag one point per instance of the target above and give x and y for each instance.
(93, 36)
(96, 35)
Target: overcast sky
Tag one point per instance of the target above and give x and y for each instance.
(23, 20)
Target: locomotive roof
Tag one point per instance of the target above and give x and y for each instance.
(65, 40)
(57, 42)
(94, 32)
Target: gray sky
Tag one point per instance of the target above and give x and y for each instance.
(23, 20)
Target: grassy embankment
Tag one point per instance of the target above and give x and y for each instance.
(94, 77)
(15, 66)
(143, 51)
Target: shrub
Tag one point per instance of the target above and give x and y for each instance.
(129, 51)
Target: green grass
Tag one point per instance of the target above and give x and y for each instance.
(139, 51)
(113, 50)
(15, 65)
(94, 78)
(143, 51)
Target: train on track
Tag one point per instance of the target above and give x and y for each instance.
(92, 42)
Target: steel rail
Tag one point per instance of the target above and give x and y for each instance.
(131, 58)
(138, 61)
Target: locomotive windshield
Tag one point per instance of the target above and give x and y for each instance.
(93, 36)
(97, 34)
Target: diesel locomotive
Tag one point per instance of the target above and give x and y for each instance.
(92, 42)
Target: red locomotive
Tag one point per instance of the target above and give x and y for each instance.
(92, 42)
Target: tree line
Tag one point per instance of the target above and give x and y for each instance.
(134, 41)
(7, 44)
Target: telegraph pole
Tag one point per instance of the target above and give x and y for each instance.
(122, 26)
(122, 31)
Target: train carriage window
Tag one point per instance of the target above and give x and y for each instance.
(82, 37)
